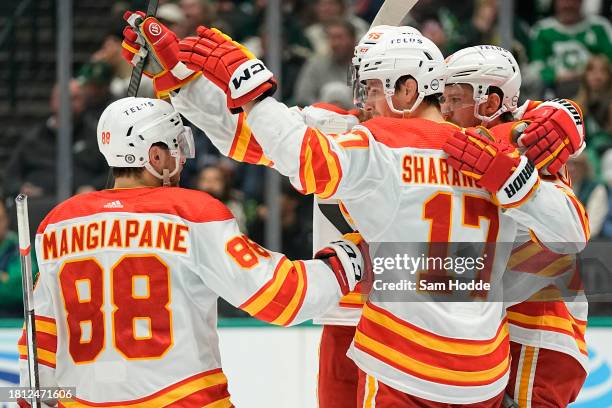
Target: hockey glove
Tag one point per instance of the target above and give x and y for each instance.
(349, 259)
(496, 166)
(148, 35)
(554, 135)
(231, 66)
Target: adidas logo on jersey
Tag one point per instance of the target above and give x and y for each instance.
(113, 204)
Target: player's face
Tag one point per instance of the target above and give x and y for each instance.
(375, 101)
(458, 105)
(374, 97)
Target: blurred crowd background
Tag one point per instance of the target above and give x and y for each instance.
(564, 48)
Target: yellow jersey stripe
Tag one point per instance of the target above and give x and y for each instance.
(283, 318)
(334, 173)
(432, 342)
(170, 397)
(259, 303)
(42, 354)
(524, 254)
(411, 364)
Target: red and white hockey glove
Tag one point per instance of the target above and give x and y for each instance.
(496, 166)
(148, 35)
(349, 259)
(231, 66)
(555, 134)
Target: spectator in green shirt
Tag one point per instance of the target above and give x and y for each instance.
(562, 45)
(11, 304)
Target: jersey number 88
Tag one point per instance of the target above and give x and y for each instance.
(83, 290)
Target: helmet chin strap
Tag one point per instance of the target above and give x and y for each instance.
(166, 174)
(487, 119)
(402, 112)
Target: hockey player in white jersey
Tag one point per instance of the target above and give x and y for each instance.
(204, 105)
(129, 277)
(549, 355)
(242, 146)
(396, 184)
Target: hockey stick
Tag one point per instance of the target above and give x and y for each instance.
(393, 12)
(509, 402)
(23, 229)
(136, 75)
(137, 70)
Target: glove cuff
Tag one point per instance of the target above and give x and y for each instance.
(520, 185)
(247, 77)
(166, 82)
(181, 72)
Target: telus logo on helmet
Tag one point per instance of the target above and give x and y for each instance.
(139, 107)
(406, 40)
(493, 47)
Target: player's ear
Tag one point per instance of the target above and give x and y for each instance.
(155, 156)
(409, 91)
(411, 88)
(492, 105)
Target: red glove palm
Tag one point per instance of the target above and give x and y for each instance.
(555, 134)
(496, 166)
(163, 65)
(231, 66)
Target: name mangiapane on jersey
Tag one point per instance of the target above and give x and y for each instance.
(418, 169)
(120, 233)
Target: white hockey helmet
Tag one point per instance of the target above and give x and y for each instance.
(484, 66)
(371, 38)
(128, 127)
(398, 55)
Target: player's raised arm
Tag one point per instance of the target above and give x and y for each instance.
(550, 133)
(199, 100)
(549, 210)
(554, 134)
(204, 105)
(315, 162)
(268, 285)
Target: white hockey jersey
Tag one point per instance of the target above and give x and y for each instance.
(384, 182)
(540, 320)
(126, 299)
(393, 178)
(204, 105)
(540, 311)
